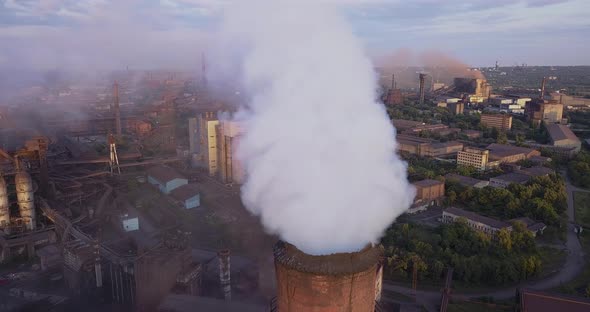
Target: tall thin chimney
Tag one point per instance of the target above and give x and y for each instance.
(224, 273)
(203, 70)
(393, 86)
(117, 109)
(542, 95)
(422, 78)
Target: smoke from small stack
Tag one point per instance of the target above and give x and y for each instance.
(441, 67)
(319, 151)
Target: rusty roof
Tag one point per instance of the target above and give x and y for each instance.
(334, 264)
(537, 301)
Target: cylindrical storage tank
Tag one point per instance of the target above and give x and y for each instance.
(25, 198)
(328, 283)
(4, 206)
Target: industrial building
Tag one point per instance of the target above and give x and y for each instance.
(428, 193)
(456, 108)
(394, 95)
(540, 111)
(466, 181)
(571, 102)
(213, 144)
(475, 221)
(502, 122)
(426, 147)
(166, 179)
(503, 153)
(473, 157)
(188, 195)
(561, 136)
(207, 130)
(504, 180)
(531, 225)
(230, 169)
(475, 90)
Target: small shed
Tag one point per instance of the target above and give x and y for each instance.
(188, 194)
(165, 178)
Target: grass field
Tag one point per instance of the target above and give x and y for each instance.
(582, 208)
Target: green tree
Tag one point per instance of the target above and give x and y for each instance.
(502, 138)
(504, 239)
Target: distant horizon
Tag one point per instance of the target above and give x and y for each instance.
(89, 34)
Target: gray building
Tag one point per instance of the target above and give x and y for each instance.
(166, 179)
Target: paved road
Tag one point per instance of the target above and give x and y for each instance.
(573, 266)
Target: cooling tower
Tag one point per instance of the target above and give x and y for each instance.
(327, 283)
(26, 198)
(4, 206)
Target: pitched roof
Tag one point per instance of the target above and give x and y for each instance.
(185, 192)
(561, 132)
(477, 218)
(164, 174)
(503, 150)
(537, 301)
(512, 177)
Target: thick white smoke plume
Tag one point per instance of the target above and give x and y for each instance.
(319, 151)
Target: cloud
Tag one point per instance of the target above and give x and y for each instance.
(52, 30)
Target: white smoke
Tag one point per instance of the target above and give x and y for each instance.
(319, 151)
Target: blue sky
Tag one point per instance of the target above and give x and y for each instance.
(49, 33)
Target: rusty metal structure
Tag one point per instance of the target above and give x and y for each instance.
(25, 195)
(224, 273)
(394, 96)
(325, 283)
(4, 204)
(543, 83)
(446, 292)
(422, 78)
(117, 110)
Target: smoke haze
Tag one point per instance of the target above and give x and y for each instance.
(404, 63)
(318, 149)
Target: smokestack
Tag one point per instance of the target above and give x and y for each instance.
(117, 109)
(203, 71)
(542, 95)
(336, 282)
(224, 273)
(393, 87)
(422, 78)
